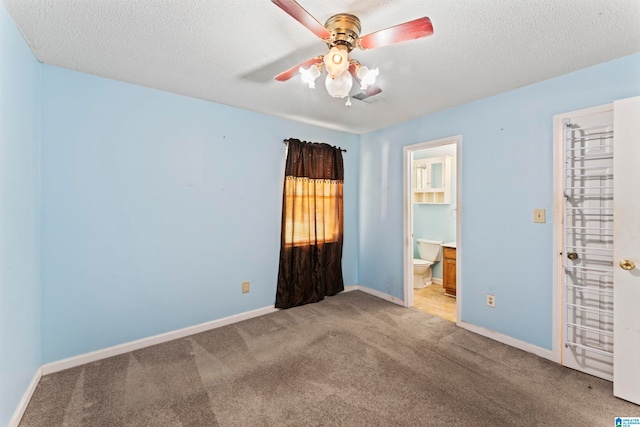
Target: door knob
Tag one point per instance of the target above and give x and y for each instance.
(572, 256)
(627, 264)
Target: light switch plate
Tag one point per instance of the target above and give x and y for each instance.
(539, 215)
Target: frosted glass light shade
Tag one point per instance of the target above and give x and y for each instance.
(310, 75)
(337, 60)
(340, 85)
(367, 77)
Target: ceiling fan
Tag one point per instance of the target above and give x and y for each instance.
(341, 33)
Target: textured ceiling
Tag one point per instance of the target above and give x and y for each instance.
(228, 51)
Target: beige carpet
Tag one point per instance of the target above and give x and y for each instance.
(351, 360)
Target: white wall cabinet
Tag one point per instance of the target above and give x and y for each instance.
(432, 180)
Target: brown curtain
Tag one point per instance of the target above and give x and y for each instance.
(312, 224)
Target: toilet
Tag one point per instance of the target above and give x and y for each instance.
(429, 251)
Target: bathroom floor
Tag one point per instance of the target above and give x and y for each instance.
(432, 300)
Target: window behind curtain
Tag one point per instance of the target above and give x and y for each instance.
(312, 210)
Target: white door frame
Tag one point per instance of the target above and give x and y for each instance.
(558, 196)
(407, 166)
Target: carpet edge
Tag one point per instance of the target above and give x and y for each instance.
(81, 359)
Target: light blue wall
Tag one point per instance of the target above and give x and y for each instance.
(156, 207)
(506, 173)
(431, 221)
(19, 217)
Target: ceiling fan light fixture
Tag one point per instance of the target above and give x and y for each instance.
(367, 76)
(339, 86)
(337, 60)
(310, 75)
(341, 33)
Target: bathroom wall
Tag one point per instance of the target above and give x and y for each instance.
(156, 207)
(431, 221)
(507, 171)
(20, 290)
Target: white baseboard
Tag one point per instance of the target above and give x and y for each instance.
(72, 362)
(22, 406)
(375, 293)
(496, 336)
(93, 356)
(436, 280)
(505, 339)
(81, 359)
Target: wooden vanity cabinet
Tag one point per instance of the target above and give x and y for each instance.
(449, 271)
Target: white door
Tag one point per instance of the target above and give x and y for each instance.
(598, 158)
(626, 254)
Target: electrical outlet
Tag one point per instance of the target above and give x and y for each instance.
(245, 287)
(539, 215)
(491, 300)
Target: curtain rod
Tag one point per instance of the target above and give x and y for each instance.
(285, 142)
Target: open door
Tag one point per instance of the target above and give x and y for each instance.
(597, 226)
(626, 253)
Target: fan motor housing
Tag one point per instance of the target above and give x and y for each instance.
(344, 29)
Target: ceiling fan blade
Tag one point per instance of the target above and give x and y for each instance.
(286, 75)
(298, 13)
(411, 30)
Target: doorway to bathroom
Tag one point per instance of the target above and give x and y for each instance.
(432, 207)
